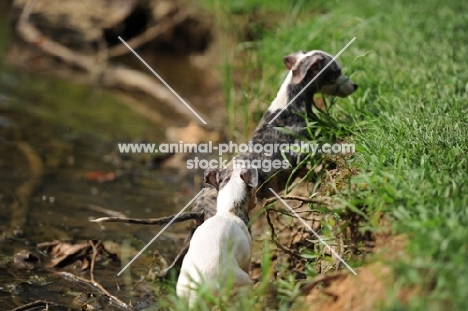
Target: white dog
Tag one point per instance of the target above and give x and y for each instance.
(220, 248)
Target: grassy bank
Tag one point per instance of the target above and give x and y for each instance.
(408, 120)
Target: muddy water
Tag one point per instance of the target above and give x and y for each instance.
(73, 130)
(199, 87)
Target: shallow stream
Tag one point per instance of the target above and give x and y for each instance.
(73, 130)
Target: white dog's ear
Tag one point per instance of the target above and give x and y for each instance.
(250, 176)
(300, 66)
(211, 176)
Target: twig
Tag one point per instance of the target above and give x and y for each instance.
(150, 33)
(31, 35)
(95, 284)
(106, 211)
(316, 200)
(321, 279)
(272, 227)
(178, 260)
(288, 251)
(273, 238)
(152, 221)
(33, 304)
(282, 212)
(93, 259)
(43, 245)
(156, 258)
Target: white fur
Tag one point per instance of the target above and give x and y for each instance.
(281, 99)
(233, 191)
(220, 248)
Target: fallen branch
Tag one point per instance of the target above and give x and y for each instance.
(34, 304)
(148, 35)
(31, 35)
(153, 221)
(95, 284)
(112, 76)
(132, 79)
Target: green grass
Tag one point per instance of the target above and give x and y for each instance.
(409, 121)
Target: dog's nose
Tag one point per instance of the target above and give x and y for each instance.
(355, 86)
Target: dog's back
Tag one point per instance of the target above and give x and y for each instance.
(220, 249)
(224, 258)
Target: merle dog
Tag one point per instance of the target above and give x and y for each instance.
(303, 67)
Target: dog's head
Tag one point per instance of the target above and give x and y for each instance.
(306, 65)
(235, 184)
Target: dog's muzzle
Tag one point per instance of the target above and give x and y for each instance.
(343, 88)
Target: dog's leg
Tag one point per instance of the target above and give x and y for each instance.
(179, 258)
(207, 203)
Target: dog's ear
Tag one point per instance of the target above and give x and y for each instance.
(299, 70)
(250, 176)
(291, 59)
(211, 176)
